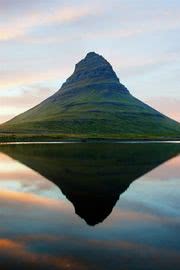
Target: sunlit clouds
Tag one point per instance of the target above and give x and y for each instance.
(20, 26)
(18, 251)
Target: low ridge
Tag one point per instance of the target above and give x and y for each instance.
(93, 103)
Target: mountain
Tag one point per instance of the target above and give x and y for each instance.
(93, 103)
(92, 176)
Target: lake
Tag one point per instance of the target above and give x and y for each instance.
(90, 206)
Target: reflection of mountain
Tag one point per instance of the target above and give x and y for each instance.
(92, 176)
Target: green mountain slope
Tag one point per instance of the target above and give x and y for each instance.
(93, 103)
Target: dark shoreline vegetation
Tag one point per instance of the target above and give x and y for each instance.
(79, 138)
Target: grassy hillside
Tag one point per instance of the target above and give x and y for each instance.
(91, 112)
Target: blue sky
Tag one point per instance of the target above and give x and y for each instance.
(41, 41)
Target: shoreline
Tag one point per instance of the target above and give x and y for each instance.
(133, 141)
(82, 138)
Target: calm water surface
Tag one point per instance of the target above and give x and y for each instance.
(90, 206)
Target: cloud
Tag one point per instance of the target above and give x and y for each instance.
(20, 25)
(28, 96)
(13, 105)
(14, 251)
(6, 117)
(143, 64)
(12, 78)
(167, 105)
(128, 19)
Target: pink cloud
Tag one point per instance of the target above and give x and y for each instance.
(13, 105)
(169, 106)
(17, 250)
(20, 25)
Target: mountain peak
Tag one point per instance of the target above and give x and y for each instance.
(92, 70)
(95, 56)
(92, 54)
(93, 61)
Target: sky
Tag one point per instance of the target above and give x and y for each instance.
(41, 41)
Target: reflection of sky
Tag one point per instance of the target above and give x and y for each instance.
(158, 189)
(38, 225)
(17, 177)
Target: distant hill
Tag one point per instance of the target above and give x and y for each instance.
(92, 103)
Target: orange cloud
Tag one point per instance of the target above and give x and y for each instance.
(32, 200)
(18, 251)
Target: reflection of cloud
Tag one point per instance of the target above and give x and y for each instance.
(40, 227)
(131, 216)
(138, 214)
(159, 255)
(18, 177)
(29, 200)
(17, 252)
(7, 164)
(169, 170)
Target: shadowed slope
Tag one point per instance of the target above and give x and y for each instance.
(92, 176)
(93, 103)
